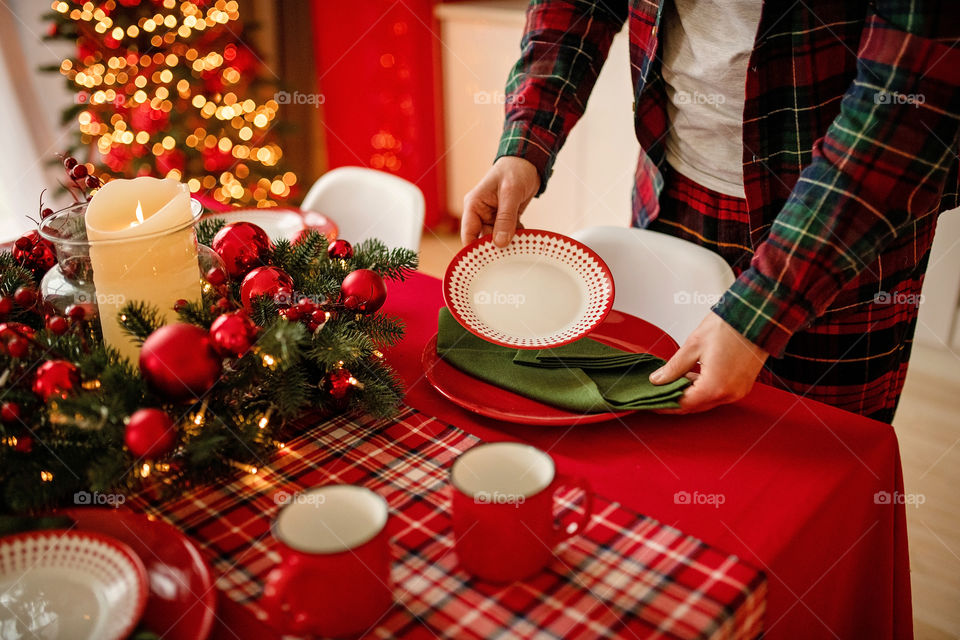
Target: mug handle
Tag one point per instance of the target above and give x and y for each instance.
(564, 530)
(280, 615)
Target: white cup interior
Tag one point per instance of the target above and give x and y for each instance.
(506, 468)
(331, 519)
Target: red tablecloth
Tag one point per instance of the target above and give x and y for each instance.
(805, 491)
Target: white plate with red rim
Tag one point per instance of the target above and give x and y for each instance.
(70, 584)
(542, 290)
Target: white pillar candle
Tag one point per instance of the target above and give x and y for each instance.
(143, 249)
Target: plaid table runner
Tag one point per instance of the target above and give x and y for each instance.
(626, 576)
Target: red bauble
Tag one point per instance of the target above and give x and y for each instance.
(243, 246)
(232, 334)
(363, 290)
(34, 253)
(10, 412)
(340, 250)
(338, 383)
(55, 379)
(150, 433)
(179, 362)
(264, 281)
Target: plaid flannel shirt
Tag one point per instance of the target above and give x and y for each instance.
(850, 129)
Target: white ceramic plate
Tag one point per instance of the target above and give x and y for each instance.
(542, 290)
(69, 584)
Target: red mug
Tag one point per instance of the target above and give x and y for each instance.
(503, 500)
(334, 574)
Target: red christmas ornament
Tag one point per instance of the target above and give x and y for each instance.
(340, 250)
(363, 290)
(34, 253)
(24, 444)
(232, 334)
(338, 383)
(264, 281)
(179, 362)
(10, 412)
(243, 246)
(150, 433)
(55, 378)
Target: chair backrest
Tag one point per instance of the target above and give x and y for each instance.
(365, 203)
(662, 279)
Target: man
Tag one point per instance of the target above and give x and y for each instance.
(811, 144)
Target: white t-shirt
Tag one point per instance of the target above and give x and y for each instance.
(706, 48)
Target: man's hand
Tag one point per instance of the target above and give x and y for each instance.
(495, 204)
(729, 365)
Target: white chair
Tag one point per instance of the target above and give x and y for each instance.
(662, 279)
(365, 203)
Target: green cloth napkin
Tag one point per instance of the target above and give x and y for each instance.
(583, 376)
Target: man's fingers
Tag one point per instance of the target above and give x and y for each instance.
(474, 213)
(681, 362)
(508, 214)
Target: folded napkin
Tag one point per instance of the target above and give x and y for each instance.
(584, 376)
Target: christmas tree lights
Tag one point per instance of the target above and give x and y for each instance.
(162, 88)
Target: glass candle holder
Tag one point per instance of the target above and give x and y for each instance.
(158, 268)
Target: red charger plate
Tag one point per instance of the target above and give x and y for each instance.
(183, 600)
(618, 329)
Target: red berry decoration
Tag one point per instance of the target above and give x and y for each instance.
(92, 182)
(34, 253)
(232, 334)
(150, 433)
(179, 362)
(216, 276)
(338, 383)
(243, 246)
(76, 312)
(264, 281)
(78, 172)
(340, 250)
(18, 347)
(363, 290)
(58, 325)
(69, 163)
(10, 412)
(55, 378)
(25, 296)
(6, 305)
(45, 213)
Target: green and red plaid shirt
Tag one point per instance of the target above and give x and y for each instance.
(849, 132)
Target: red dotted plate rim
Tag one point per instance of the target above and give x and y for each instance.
(605, 270)
(142, 584)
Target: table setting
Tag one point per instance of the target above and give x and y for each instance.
(222, 424)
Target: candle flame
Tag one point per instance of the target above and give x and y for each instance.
(139, 215)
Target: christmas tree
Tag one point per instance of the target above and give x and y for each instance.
(165, 88)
